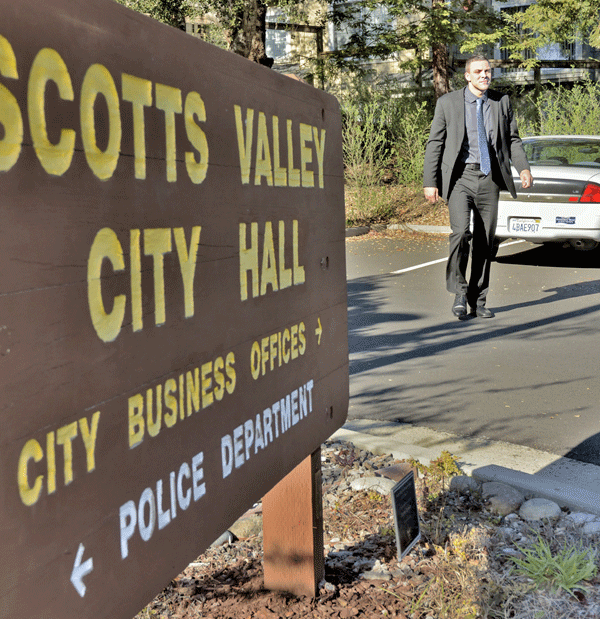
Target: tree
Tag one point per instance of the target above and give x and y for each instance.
(546, 22)
(243, 22)
(423, 27)
(171, 12)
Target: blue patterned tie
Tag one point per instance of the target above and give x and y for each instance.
(484, 154)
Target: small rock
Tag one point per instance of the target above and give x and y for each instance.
(226, 538)
(503, 499)
(589, 528)
(464, 484)
(247, 527)
(377, 572)
(329, 587)
(378, 484)
(581, 517)
(538, 509)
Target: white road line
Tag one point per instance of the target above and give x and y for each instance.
(427, 264)
(419, 266)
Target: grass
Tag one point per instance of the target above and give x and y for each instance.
(392, 203)
(564, 569)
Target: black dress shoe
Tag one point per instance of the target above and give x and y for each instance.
(459, 307)
(483, 312)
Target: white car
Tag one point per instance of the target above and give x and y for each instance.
(564, 203)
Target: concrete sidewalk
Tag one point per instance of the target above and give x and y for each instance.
(569, 483)
(360, 230)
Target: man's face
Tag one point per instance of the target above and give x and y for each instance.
(479, 77)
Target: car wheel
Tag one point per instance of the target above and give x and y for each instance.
(584, 244)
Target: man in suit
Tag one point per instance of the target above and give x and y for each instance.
(472, 141)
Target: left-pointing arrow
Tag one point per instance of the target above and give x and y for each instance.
(80, 570)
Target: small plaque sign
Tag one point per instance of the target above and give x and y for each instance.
(406, 514)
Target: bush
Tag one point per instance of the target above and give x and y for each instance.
(384, 138)
(563, 111)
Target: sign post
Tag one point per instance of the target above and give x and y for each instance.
(173, 331)
(294, 558)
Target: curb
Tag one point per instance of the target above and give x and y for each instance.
(360, 230)
(567, 482)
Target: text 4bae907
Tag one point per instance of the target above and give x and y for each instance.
(524, 225)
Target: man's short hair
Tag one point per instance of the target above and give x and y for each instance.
(476, 58)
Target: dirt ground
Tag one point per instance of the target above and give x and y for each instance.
(461, 568)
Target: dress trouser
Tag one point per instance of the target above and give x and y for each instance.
(477, 193)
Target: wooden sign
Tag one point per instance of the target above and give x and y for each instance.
(173, 333)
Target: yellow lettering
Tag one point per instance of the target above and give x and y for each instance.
(301, 338)
(31, 451)
(279, 173)
(171, 402)
(194, 106)
(264, 353)
(249, 260)
(207, 396)
(193, 392)
(157, 243)
(105, 245)
(49, 66)
(137, 321)
(64, 437)
(155, 424)
(50, 463)
(187, 264)
(168, 99)
(263, 153)
(255, 360)
(294, 347)
(299, 274)
(98, 81)
(89, 436)
(244, 145)
(230, 371)
(136, 420)
(219, 390)
(138, 92)
(10, 113)
(285, 275)
(269, 263)
(306, 155)
(320, 148)
(293, 173)
(273, 350)
(285, 354)
(181, 398)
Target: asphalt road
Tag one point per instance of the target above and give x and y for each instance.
(529, 376)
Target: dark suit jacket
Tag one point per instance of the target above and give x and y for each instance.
(448, 133)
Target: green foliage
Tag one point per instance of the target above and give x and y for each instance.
(542, 23)
(562, 111)
(384, 138)
(366, 153)
(443, 467)
(408, 25)
(170, 12)
(564, 570)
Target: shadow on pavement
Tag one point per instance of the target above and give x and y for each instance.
(586, 451)
(553, 255)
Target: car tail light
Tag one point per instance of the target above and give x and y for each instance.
(591, 193)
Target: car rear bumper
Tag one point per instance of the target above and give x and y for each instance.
(542, 223)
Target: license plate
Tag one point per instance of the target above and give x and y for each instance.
(524, 226)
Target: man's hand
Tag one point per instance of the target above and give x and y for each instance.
(431, 194)
(526, 179)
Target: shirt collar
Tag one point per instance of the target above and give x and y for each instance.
(471, 98)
